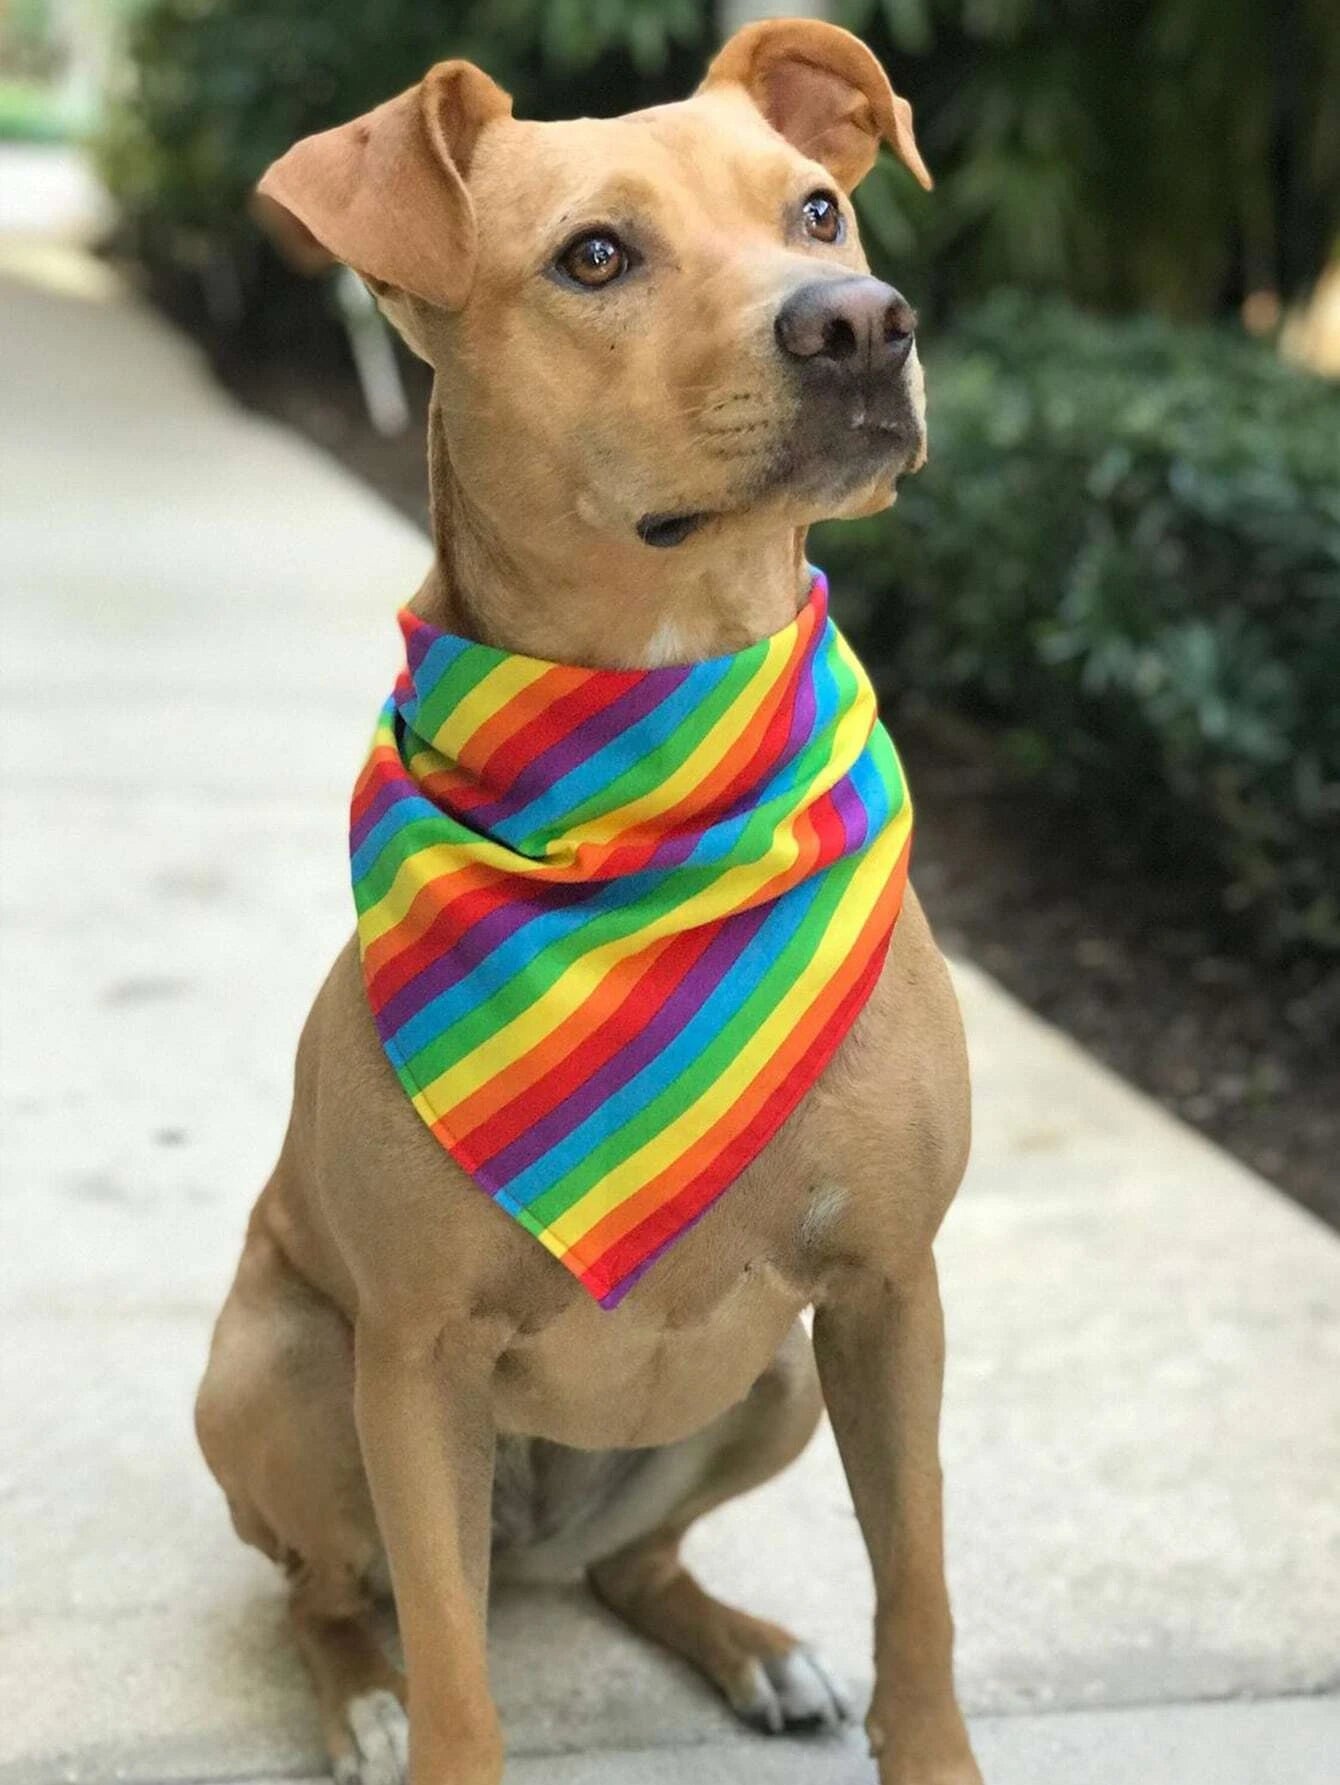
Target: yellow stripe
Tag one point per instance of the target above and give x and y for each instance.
(441, 858)
(736, 888)
(710, 752)
(850, 737)
(581, 978)
(723, 737)
(509, 677)
(689, 1127)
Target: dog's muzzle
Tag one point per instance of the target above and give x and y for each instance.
(846, 343)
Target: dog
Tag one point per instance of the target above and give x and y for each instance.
(659, 355)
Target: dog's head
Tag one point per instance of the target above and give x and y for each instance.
(649, 325)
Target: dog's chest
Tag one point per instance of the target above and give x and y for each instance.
(655, 1370)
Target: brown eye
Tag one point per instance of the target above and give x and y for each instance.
(594, 260)
(822, 217)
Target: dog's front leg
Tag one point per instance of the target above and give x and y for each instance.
(880, 1350)
(425, 1424)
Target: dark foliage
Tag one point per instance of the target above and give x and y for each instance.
(1127, 546)
(1169, 153)
(215, 89)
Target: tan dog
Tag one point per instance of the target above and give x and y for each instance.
(659, 356)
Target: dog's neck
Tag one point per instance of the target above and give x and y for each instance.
(557, 588)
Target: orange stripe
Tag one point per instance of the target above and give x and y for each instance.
(630, 1211)
(648, 836)
(529, 704)
(625, 1261)
(379, 757)
(424, 909)
(498, 1091)
(597, 1240)
(554, 1048)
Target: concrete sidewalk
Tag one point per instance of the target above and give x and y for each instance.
(1142, 1430)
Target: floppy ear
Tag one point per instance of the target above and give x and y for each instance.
(823, 90)
(386, 193)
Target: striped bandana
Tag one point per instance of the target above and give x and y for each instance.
(614, 923)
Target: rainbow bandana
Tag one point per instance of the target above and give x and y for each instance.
(614, 923)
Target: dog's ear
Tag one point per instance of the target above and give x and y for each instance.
(386, 193)
(822, 89)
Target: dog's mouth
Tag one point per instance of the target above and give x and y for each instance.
(832, 455)
(662, 530)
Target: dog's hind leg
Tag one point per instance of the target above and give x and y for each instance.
(769, 1678)
(276, 1423)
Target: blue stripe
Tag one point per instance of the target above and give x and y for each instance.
(443, 654)
(551, 808)
(603, 1125)
(409, 808)
(488, 978)
(505, 965)
(874, 793)
(719, 839)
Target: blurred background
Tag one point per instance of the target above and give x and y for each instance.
(1106, 619)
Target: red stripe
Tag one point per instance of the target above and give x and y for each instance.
(498, 774)
(420, 947)
(531, 1104)
(707, 802)
(382, 767)
(831, 831)
(773, 741)
(532, 701)
(671, 1218)
(872, 940)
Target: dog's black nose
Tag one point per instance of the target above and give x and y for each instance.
(856, 325)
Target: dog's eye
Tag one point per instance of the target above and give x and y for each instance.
(821, 216)
(594, 260)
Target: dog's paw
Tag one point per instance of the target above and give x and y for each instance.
(378, 1750)
(792, 1691)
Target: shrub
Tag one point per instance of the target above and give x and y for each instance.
(1180, 160)
(1169, 154)
(214, 89)
(1126, 545)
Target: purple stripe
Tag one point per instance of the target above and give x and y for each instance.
(578, 746)
(711, 967)
(643, 1265)
(420, 638)
(803, 709)
(677, 848)
(468, 947)
(392, 791)
(851, 809)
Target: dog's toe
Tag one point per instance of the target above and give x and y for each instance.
(792, 1691)
(379, 1750)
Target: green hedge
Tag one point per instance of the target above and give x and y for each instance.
(1126, 546)
(214, 89)
(1176, 162)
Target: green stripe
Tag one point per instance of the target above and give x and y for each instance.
(657, 765)
(423, 833)
(517, 994)
(406, 841)
(727, 1046)
(879, 747)
(456, 681)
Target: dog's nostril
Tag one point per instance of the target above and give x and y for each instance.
(839, 339)
(900, 321)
